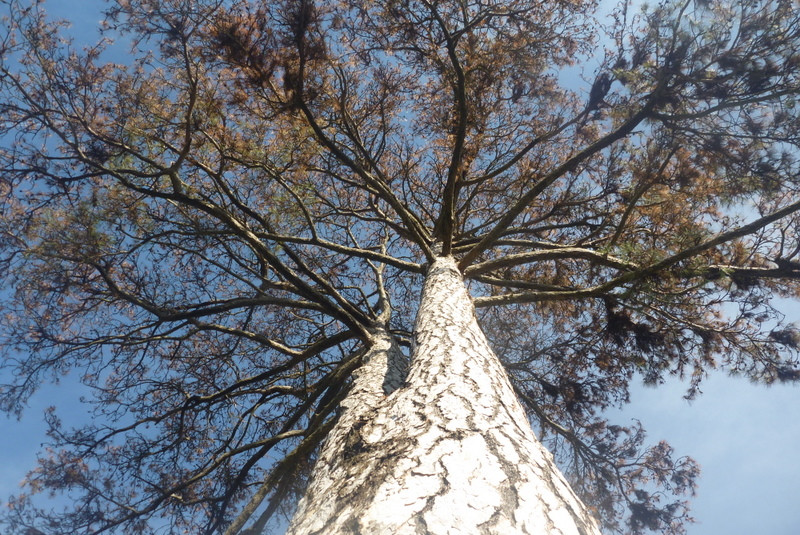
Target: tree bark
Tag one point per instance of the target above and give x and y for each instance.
(450, 452)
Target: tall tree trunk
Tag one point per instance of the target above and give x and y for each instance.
(450, 452)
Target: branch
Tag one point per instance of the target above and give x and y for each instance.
(625, 129)
(344, 311)
(412, 222)
(562, 253)
(443, 230)
(647, 271)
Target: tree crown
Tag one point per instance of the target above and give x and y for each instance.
(210, 232)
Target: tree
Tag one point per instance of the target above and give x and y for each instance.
(262, 241)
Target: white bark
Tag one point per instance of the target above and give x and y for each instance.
(450, 452)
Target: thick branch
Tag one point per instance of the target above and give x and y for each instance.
(647, 271)
(445, 223)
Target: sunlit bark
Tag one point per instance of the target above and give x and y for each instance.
(450, 452)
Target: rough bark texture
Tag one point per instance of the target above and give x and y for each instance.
(451, 452)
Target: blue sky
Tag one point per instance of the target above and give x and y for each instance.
(744, 436)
